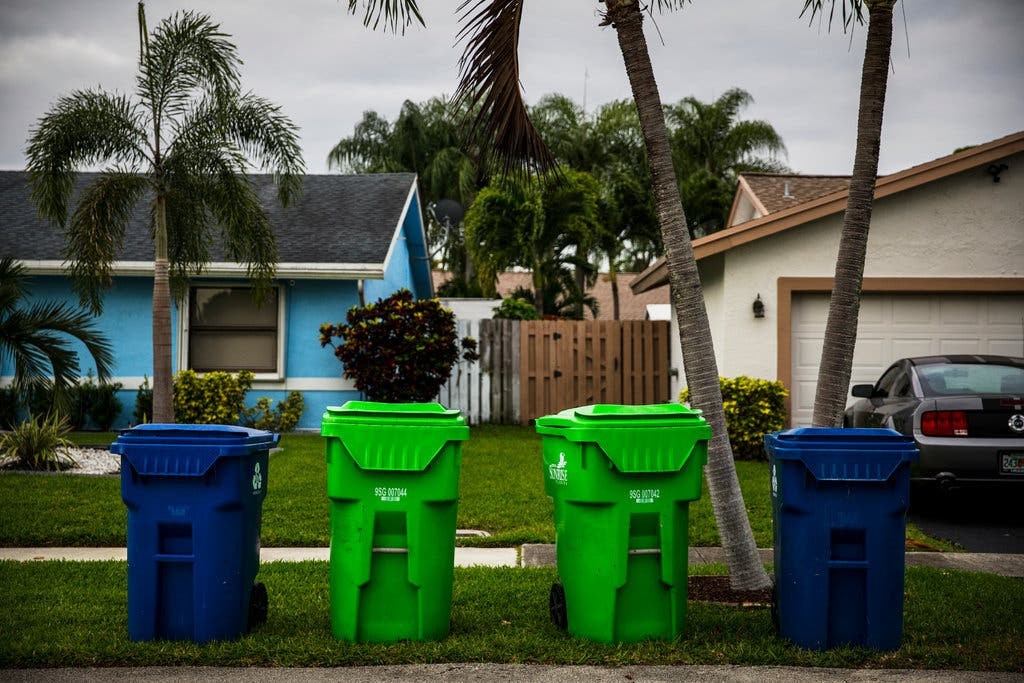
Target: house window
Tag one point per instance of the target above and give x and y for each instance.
(227, 330)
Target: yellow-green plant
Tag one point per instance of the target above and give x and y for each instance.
(280, 418)
(39, 443)
(213, 398)
(753, 407)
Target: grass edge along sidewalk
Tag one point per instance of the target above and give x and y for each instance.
(501, 491)
(75, 614)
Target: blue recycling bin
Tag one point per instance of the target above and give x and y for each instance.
(839, 505)
(194, 495)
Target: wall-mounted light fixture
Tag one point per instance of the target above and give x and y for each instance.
(995, 170)
(758, 307)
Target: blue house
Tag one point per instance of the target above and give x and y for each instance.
(345, 241)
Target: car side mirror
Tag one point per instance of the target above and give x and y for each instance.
(863, 390)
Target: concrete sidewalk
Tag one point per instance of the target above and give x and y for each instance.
(538, 555)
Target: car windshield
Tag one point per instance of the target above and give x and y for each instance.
(950, 379)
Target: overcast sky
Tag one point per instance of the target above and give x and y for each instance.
(961, 83)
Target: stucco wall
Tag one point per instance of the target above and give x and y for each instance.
(961, 226)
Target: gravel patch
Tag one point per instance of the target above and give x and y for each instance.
(90, 461)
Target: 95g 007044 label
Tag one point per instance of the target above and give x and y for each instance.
(390, 494)
(643, 496)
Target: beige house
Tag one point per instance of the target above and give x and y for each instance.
(944, 270)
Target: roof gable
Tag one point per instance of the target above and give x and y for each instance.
(835, 202)
(339, 223)
(773, 192)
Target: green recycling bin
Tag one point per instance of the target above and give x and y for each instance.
(621, 478)
(393, 483)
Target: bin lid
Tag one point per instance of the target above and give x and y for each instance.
(833, 454)
(185, 449)
(651, 438)
(393, 436)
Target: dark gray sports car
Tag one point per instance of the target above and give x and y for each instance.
(966, 414)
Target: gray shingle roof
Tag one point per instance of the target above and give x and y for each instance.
(338, 219)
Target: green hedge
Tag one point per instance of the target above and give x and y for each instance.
(753, 407)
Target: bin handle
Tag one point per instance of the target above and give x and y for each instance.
(392, 551)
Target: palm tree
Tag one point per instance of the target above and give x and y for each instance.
(424, 139)
(745, 567)
(540, 225)
(609, 146)
(711, 147)
(36, 338)
(490, 87)
(181, 144)
(844, 306)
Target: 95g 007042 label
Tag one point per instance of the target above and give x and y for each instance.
(643, 496)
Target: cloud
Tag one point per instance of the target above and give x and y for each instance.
(28, 59)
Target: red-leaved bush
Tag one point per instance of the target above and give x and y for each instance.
(398, 350)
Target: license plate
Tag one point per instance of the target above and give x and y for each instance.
(1012, 463)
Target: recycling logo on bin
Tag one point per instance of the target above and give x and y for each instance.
(775, 482)
(257, 479)
(558, 472)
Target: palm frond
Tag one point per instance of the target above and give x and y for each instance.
(489, 86)
(363, 150)
(96, 232)
(391, 13)
(248, 237)
(189, 222)
(852, 11)
(186, 53)
(13, 283)
(270, 139)
(84, 128)
(38, 340)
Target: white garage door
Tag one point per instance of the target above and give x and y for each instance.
(896, 326)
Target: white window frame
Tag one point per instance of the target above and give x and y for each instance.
(183, 327)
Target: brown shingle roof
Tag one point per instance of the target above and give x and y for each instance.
(771, 188)
(723, 240)
(631, 306)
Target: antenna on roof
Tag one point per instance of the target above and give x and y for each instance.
(785, 191)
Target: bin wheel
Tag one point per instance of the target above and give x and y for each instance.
(257, 605)
(556, 605)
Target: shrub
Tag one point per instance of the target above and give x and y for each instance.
(104, 406)
(41, 400)
(214, 398)
(398, 349)
(143, 403)
(9, 403)
(753, 407)
(514, 308)
(280, 418)
(39, 444)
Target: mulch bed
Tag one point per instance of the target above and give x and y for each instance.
(716, 589)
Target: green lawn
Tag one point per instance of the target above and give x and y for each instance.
(501, 491)
(953, 620)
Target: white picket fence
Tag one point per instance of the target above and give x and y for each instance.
(486, 391)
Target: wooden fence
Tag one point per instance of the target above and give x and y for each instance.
(487, 391)
(532, 368)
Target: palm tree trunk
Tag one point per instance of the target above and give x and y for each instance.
(613, 277)
(745, 568)
(163, 387)
(538, 287)
(844, 307)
